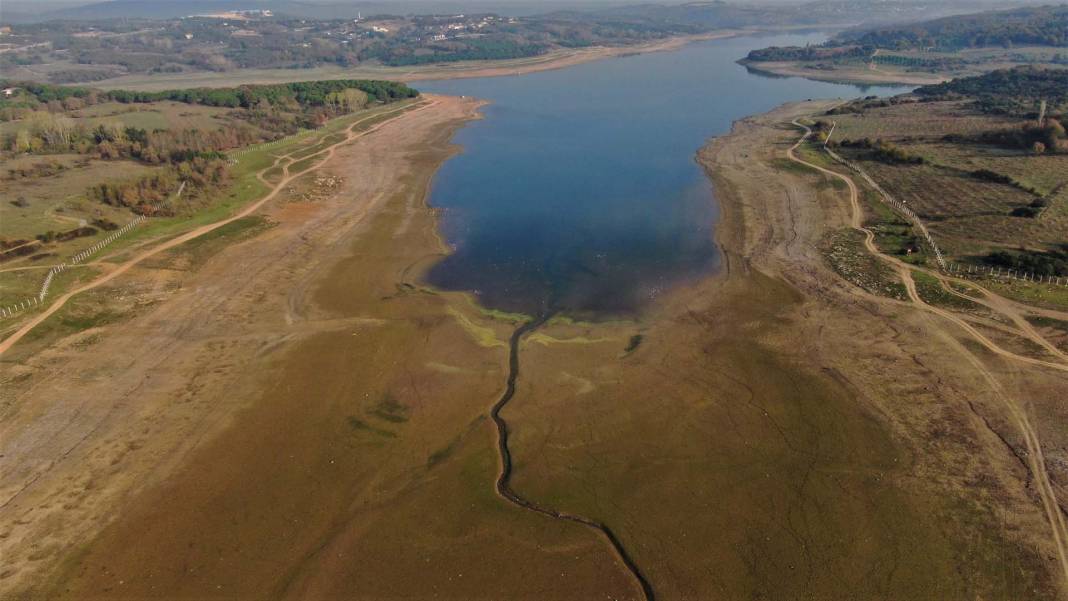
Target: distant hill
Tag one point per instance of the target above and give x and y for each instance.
(1033, 26)
(720, 14)
(168, 9)
(22, 12)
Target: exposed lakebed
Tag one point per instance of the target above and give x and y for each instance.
(579, 191)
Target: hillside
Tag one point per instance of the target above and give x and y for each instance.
(929, 51)
(77, 154)
(1041, 26)
(1032, 26)
(718, 14)
(1010, 91)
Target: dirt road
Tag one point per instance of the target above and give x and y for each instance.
(1058, 527)
(350, 134)
(296, 415)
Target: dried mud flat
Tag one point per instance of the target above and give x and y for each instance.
(297, 416)
(780, 434)
(854, 74)
(301, 418)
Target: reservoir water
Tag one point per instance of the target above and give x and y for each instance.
(579, 191)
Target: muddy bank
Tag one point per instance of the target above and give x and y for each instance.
(852, 74)
(778, 432)
(314, 425)
(305, 419)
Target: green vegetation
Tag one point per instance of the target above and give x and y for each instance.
(475, 49)
(196, 252)
(932, 292)
(633, 344)
(1032, 26)
(882, 151)
(808, 53)
(80, 49)
(305, 93)
(984, 195)
(960, 45)
(1041, 295)
(1048, 263)
(1015, 91)
(844, 251)
(65, 153)
(335, 94)
(793, 166)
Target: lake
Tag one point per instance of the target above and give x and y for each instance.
(579, 192)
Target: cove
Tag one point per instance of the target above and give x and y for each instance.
(579, 193)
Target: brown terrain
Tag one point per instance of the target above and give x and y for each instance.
(294, 415)
(849, 73)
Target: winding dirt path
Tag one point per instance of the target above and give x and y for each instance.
(504, 487)
(325, 154)
(1036, 459)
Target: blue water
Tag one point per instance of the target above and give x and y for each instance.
(579, 191)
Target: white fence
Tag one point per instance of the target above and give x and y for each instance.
(1003, 273)
(899, 205)
(81, 257)
(233, 157)
(954, 268)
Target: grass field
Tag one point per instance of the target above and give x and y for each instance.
(967, 215)
(244, 188)
(153, 116)
(1043, 173)
(58, 202)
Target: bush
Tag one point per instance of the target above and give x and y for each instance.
(1053, 263)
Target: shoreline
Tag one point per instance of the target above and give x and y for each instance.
(557, 59)
(301, 279)
(363, 416)
(865, 77)
(1027, 532)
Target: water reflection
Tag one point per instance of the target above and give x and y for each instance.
(579, 190)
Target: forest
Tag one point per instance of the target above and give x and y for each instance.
(306, 94)
(80, 49)
(1017, 91)
(46, 122)
(1052, 263)
(1032, 26)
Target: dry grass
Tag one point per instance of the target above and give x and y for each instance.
(929, 120)
(968, 216)
(1043, 173)
(58, 202)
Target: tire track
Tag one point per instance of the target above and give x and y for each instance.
(503, 484)
(326, 153)
(1058, 526)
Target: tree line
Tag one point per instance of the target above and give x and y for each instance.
(1031, 26)
(1016, 91)
(304, 93)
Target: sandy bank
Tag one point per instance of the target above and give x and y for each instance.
(859, 74)
(294, 392)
